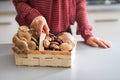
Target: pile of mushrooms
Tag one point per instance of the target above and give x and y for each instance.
(62, 42)
(26, 39)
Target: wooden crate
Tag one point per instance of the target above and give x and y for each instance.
(45, 58)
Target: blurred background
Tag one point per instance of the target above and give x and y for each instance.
(103, 15)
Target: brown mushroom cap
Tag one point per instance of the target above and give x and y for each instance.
(66, 47)
(46, 43)
(32, 45)
(24, 28)
(22, 45)
(35, 40)
(63, 41)
(67, 38)
(54, 46)
(16, 50)
(24, 35)
(24, 40)
(48, 38)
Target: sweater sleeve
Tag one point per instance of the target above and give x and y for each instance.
(83, 27)
(25, 13)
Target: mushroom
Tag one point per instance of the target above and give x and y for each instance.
(21, 44)
(66, 47)
(54, 46)
(58, 40)
(48, 38)
(35, 40)
(32, 45)
(16, 50)
(46, 43)
(24, 28)
(67, 39)
(63, 41)
(24, 40)
(24, 35)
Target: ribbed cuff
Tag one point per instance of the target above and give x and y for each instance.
(85, 32)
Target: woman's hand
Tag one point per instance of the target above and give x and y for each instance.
(40, 24)
(96, 42)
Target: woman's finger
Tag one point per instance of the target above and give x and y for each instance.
(92, 43)
(40, 27)
(46, 29)
(106, 43)
(100, 43)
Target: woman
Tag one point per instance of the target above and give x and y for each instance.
(56, 16)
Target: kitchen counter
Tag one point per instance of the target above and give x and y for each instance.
(88, 64)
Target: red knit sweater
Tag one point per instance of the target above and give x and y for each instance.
(60, 14)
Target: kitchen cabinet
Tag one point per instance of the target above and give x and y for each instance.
(104, 18)
(104, 22)
(8, 27)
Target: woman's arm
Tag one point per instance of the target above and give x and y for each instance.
(25, 13)
(83, 27)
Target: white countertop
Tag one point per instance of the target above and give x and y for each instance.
(88, 64)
